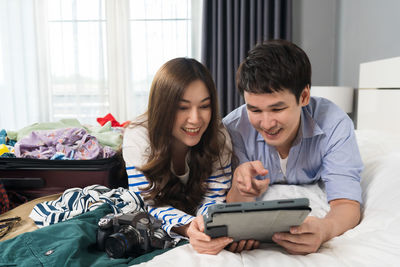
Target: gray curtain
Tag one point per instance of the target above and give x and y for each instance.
(230, 29)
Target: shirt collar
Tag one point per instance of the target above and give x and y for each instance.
(259, 136)
(309, 126)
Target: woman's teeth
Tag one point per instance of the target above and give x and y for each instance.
(192, 130)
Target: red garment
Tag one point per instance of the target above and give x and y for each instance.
(4, 201)
(10, 199)
(114, 122)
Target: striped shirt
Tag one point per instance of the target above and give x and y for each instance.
(136, 148)
(76, 201)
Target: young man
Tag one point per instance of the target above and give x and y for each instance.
(282, 135)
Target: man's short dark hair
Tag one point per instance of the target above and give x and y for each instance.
(273, 66)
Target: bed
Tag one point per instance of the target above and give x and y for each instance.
(374, 242)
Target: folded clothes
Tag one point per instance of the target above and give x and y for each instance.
(7, 155)
(5, 139)
(106, 134)
(3, 136)
(73, 143)
(4, 149)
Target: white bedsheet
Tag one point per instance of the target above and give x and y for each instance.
(374, 242)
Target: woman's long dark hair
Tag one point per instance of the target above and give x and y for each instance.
(167, 89)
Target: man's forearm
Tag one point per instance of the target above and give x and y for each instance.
(344, 215)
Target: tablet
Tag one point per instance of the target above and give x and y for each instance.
(257, 220)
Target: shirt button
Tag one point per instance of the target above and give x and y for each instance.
(48, 253)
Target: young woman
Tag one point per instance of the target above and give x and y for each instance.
(178, 154)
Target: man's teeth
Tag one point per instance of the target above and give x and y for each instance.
(272, 133)
(191, 130)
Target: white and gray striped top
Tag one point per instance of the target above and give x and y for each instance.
(75, 201)
(136, 152)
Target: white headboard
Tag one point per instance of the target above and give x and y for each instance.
(378, 106)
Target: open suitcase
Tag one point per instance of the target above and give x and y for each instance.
(38, 177)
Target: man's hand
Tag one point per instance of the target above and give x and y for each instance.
(304, 239)
(245, 185)
(308, 237)
(203, 243)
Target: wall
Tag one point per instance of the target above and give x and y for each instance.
(314, 30)
(368, 30)
(338, 35)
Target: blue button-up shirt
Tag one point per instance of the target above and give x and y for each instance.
(325, 148)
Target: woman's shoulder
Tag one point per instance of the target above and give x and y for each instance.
(226, 137)
(136, 134)
(226, 151)
(136, 144)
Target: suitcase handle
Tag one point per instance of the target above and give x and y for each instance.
(25, 182)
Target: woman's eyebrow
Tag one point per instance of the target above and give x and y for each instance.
(205, 99)
(187, 101)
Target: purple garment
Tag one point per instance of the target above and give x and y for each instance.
(74, 143)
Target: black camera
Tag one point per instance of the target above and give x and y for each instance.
(131, 234)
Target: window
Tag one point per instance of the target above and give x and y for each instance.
(77, 59)
(160, 30)
(99, 56)
(1, 67)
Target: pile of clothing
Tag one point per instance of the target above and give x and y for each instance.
(67, 139)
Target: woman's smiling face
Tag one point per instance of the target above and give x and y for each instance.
(193, 115)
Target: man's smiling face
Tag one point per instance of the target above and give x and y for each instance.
(276, 116)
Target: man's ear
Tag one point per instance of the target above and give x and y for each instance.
(305, 96)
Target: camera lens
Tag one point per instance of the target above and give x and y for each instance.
(123, 242)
